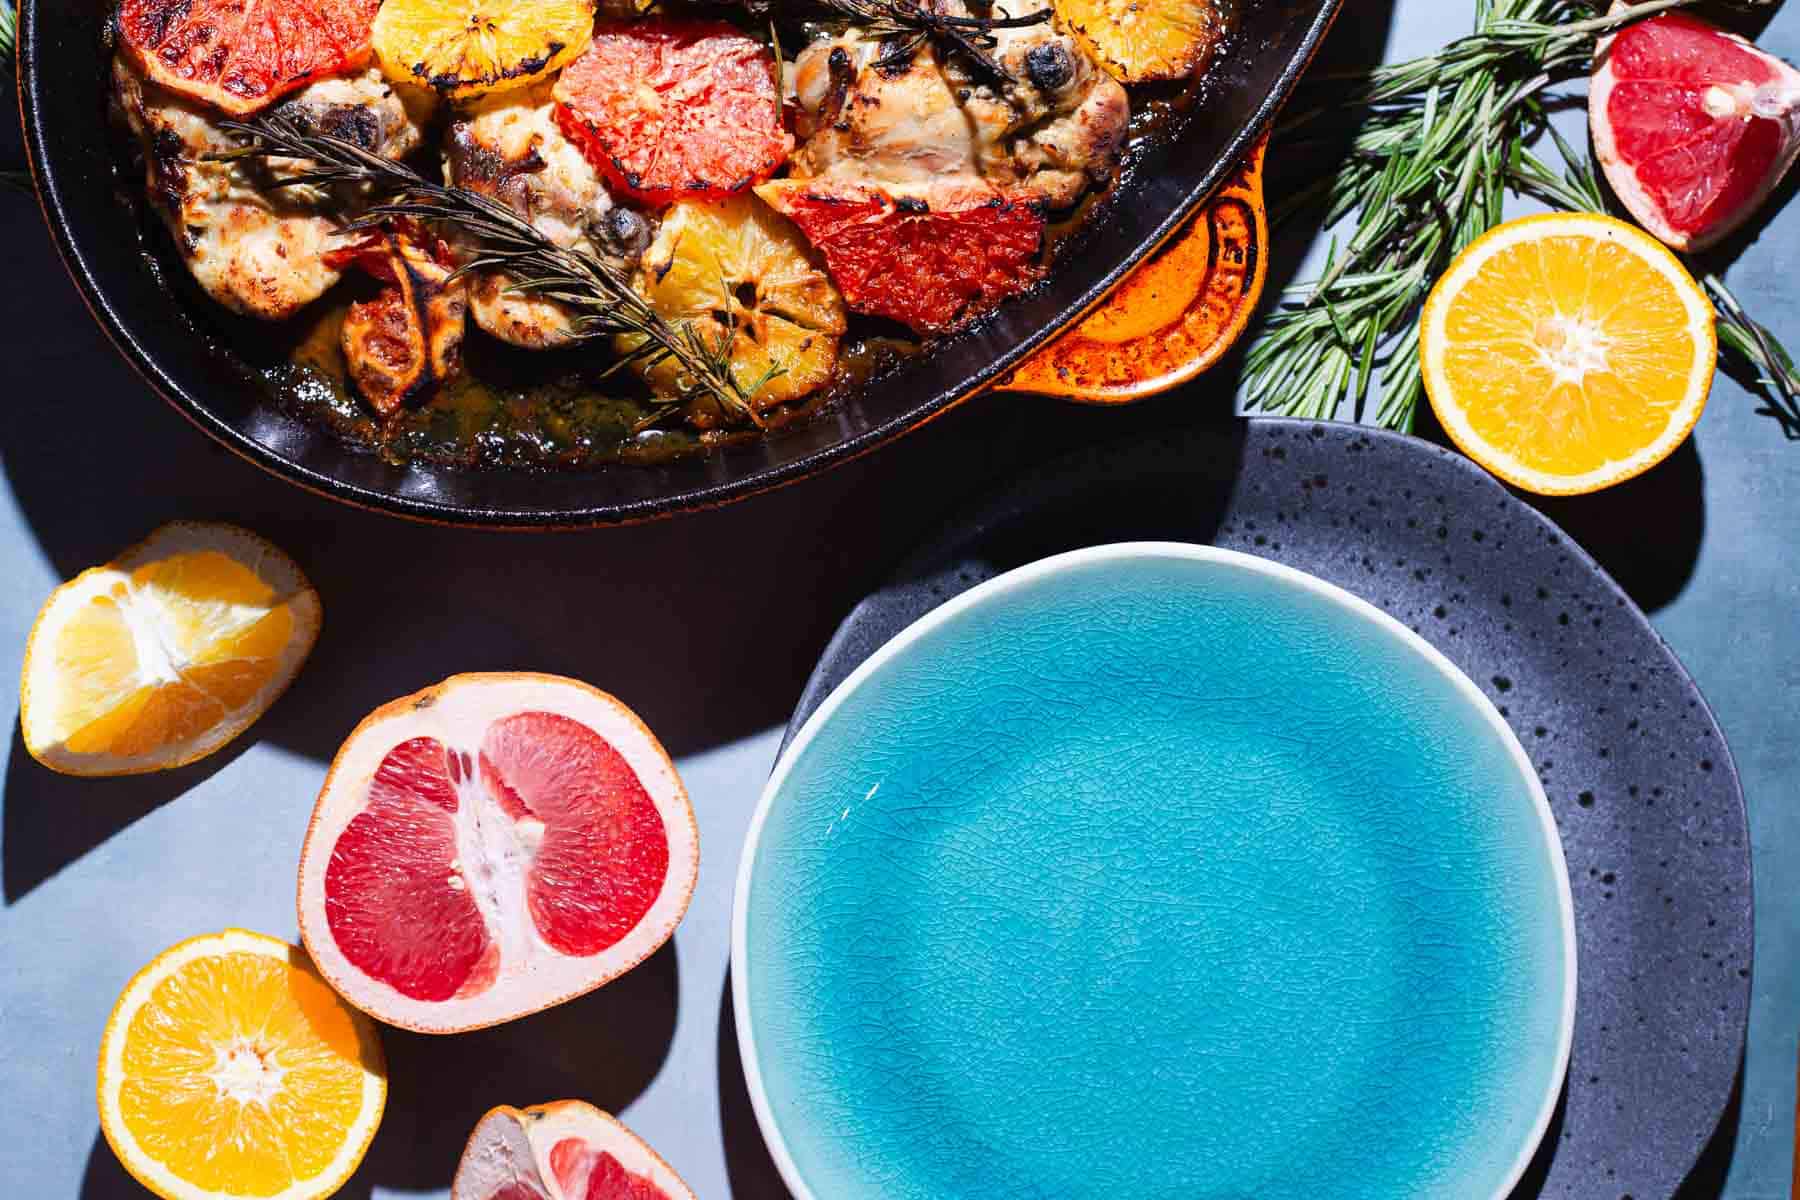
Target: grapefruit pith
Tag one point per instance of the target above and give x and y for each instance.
(1694, 126)
(492, 846)
(241, 55)
(566, 1150)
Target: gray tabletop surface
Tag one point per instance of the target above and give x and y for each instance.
(708, 625)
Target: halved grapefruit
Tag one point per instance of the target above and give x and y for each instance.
(492, 846)
(669, 109)
(242, 55)
(1693, 126)
(566, 1150)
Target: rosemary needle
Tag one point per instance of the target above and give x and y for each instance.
(596, 289)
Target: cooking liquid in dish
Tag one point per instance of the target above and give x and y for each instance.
(572, 407)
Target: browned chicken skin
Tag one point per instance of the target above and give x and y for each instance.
(508, 147)
(1055, 128)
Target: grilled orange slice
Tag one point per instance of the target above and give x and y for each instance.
(1139, 41)
(465, 48)
(743, 277)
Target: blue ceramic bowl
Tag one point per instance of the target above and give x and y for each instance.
(1154, 871)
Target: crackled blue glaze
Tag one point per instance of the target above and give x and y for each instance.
(1156, 877)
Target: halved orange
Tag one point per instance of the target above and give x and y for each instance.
(465, 48)
(228, 1069)
(1139, 41)
(242, 55)
(1567, 352)
(166, 653)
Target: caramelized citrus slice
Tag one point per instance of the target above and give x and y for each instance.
(934, 258)
(1139, 41)
(240, 55)
(465, 48)
(745, 278)
(1567, 352)
(675, 109)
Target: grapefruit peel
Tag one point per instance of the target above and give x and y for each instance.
(566, 1149)
(486, 848)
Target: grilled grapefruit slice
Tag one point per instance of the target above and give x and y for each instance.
(934, 258)
(566, 1150)
(668, 110)
(241, 55)
(492, 846)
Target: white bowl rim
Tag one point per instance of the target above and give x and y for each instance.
(1125, 551)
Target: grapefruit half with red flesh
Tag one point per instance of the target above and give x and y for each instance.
(669, 110)
(567, 1150)
(1693, 126)
(934, 258)
(492, 846)
(242, 55)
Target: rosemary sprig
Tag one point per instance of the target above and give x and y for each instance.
(1442, 138)
(905, 25)
(16, 180)
(599, 293)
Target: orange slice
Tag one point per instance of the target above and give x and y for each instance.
(1141, 41)
(228, 1069)
(1567, 352)
(467, 48)
(165, 654)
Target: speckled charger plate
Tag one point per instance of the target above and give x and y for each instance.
(1645, 796)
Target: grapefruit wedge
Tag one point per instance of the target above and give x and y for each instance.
(1693, 126)
(567, 1150)
(492, 846)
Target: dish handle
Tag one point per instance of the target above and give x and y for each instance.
(1173, 317)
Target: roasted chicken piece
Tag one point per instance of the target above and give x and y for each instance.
(1057, 126)
(258, 252)
(405, 343)
(1053, 127)
(509, 147)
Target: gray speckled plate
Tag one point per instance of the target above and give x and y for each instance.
(1642, 786)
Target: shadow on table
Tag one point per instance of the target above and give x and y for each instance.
(51, 819)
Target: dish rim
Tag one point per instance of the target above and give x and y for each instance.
(1031, 573)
